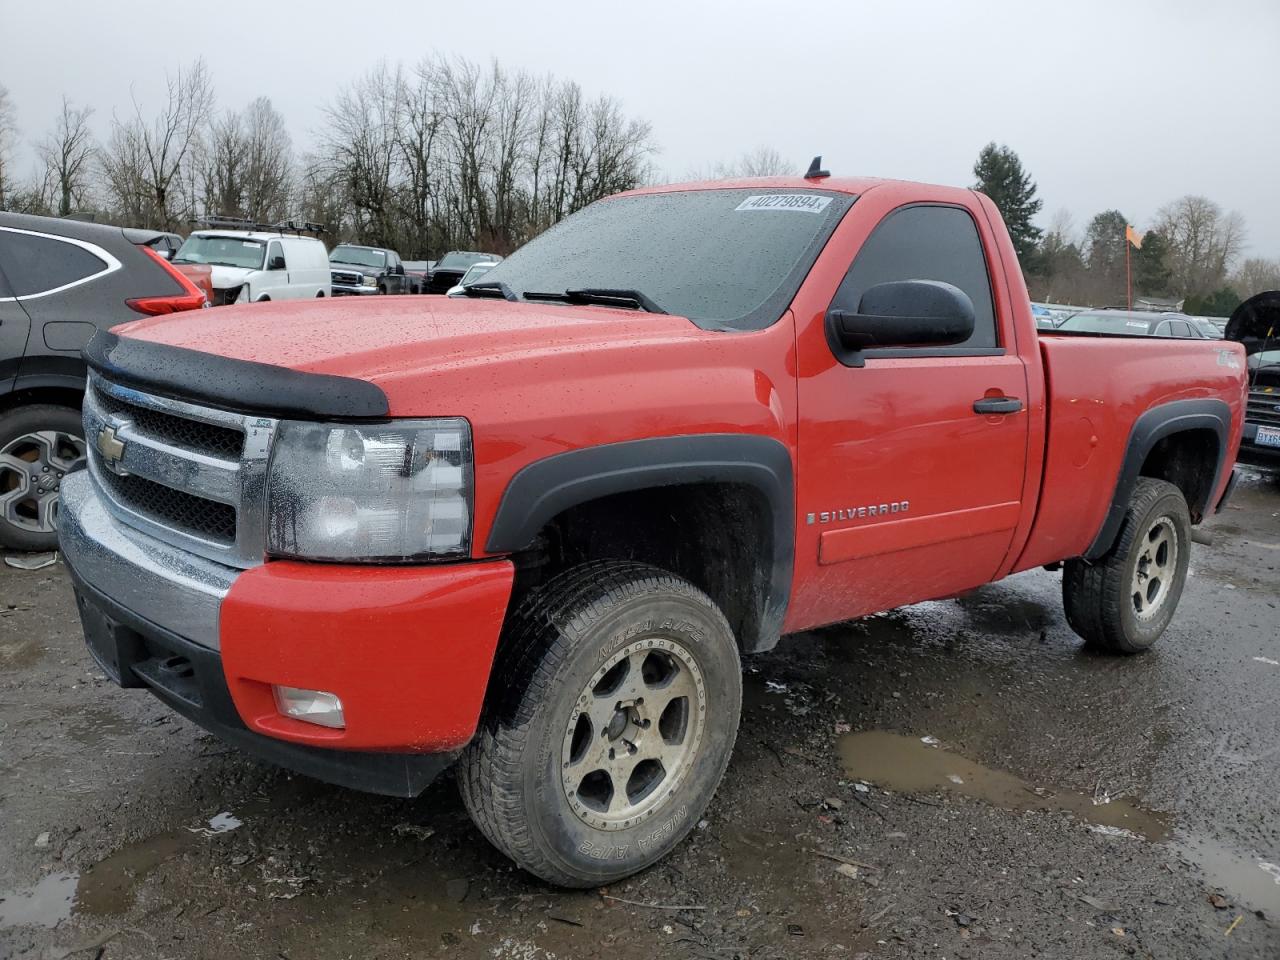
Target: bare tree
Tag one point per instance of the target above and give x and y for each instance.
(247, 164)
(1256, 275)
(68, 155)
(149, 165)
(1203, 241)
(8, 137)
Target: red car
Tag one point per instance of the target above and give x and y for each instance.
(531, 530)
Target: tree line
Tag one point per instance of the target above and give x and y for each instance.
(1192, 250)
(448, 154)
(451, 154)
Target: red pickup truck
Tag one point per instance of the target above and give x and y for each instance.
(531, 530)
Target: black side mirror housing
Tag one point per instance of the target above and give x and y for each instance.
(277, 263)
(902, 313)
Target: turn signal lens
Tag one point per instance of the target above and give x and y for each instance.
(311, 706)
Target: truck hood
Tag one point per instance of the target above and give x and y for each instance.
(1256, 323)
(354, 267)
(411, 345)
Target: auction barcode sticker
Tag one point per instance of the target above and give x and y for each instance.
(797, 202)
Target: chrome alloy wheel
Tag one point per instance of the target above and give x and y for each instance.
(1153, 574)
(634, 733)
(31, 470)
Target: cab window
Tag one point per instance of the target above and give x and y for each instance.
(926, 242)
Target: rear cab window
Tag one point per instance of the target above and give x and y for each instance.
(37, 265)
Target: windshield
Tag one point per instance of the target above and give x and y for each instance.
(475, 272)
(1101, 323)
(460, 261)
(223, 252)
(722, 258)
(358, 255)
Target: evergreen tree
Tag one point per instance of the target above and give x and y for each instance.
(1002, 178)
(1151, 272)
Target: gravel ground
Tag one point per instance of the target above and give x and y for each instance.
(113, 843)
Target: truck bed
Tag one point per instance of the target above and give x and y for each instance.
(1096, 388)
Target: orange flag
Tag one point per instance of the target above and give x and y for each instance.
(1133, 236)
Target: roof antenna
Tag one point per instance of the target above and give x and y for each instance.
(815, 170)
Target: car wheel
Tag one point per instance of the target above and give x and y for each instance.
(616, 697)
(1123, 602)
(39, 445)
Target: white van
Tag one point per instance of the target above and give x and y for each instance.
(250, 266)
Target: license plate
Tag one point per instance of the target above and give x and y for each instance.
(1268, 437)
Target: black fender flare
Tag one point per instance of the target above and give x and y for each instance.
(1149, 429)
(545, 488)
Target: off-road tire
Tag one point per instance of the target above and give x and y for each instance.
(554, 645)
(1099, 597)
(18, 422)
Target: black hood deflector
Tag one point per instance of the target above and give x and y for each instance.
(230, 384)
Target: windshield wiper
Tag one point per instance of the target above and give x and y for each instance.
(604, 296)
(490, 288)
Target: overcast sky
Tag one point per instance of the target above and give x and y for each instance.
(1122, 103)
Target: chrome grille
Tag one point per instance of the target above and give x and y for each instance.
(192, 476)
(208, 438)
(183, 511)
(1263, 408)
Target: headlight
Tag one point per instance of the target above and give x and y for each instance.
(368, 281)
(387, 492)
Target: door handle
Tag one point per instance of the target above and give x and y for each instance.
(990, 405)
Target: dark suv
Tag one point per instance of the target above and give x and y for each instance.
(60, 282)
(358, 270)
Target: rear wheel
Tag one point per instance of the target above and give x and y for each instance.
(39, 445)
(1123, 602)
(617, 696)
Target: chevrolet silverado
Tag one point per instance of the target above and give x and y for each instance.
(530, 531)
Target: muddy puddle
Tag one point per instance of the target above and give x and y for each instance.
(915, 765)
(906, 764)
(109, 887)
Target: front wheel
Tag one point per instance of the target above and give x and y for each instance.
(616, 697)
(1123, 602)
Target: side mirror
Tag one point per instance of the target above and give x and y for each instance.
(166, 252)
(277, 263)
(399, 269)
(903, 313)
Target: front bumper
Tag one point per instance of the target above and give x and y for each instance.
(352, 290)
(407, 649)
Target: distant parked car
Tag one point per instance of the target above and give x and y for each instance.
(1133, 323)
(1212, 327)
(1043, 315)
(449, 269)
(60, 282)
(474, 273)
(359, 270)
(253, 263)
(416, 271)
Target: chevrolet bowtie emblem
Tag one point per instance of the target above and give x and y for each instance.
(110, 446)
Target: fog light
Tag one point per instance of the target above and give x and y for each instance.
(311, 706)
